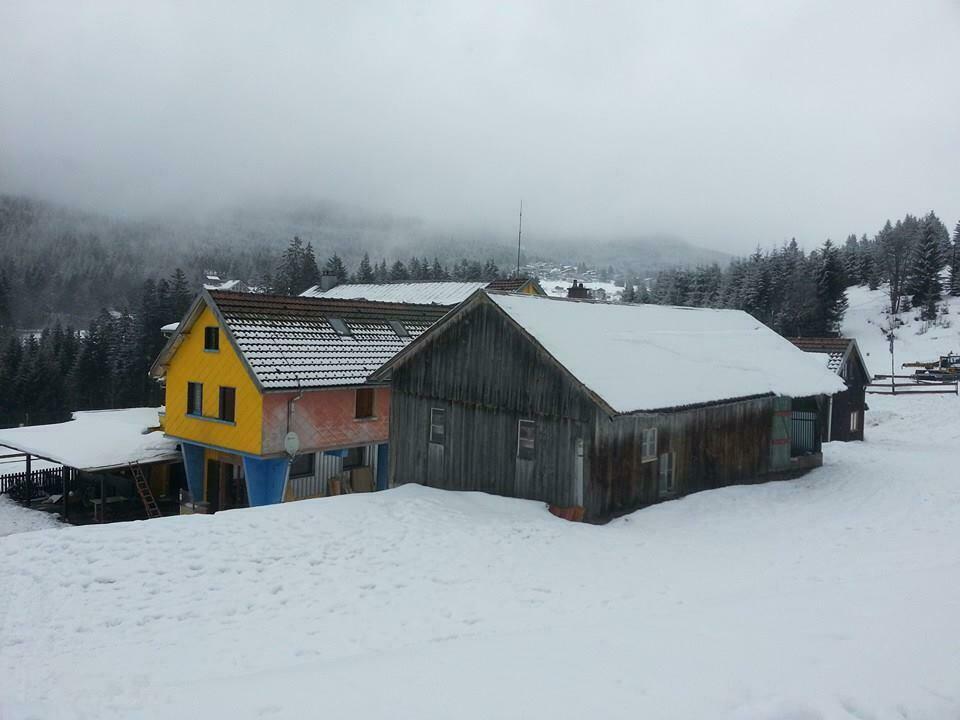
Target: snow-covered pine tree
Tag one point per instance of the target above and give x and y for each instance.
(852, 261)
(831, 297)
(925, 269)
(955, 262)
(627, 296)
(438, 273)
(287, 279)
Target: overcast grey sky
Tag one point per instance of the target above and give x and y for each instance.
(729, 123)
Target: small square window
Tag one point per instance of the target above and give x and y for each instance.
(648, 450)
(353, 458)
(364, 403)
(194, 398)
(526, 439)
(211, 338)
(438, 426)
(228, 404)
(855, 421)
(302, 465)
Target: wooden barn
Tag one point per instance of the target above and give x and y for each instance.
(598, 409)
(845, 413)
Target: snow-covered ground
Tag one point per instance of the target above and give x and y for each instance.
(15, 518)
(836, 595)
(915, 340)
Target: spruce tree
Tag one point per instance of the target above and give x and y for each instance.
(180, 295)
(364, 270)
(289, 272)
(334, 266)
(628, 296)
(955, 262)
(831, 297)
(925, 270)
(309, 272)
(398, 272)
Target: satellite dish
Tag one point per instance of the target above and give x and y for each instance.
(291, 443)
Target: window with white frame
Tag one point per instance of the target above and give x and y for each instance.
(854, 421)
(438, 426)
(667, 474)
(648, 451)
(526, 439)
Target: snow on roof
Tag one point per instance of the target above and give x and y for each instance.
(96, 439)
(169, 328)
(417, 293)
(217, 284)
(652, 357)
(292, 342)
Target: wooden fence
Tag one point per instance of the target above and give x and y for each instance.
(48, 480)
(912, 385)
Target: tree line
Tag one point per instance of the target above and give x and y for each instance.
(803, 294)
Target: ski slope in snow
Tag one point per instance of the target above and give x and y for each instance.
(833, 596)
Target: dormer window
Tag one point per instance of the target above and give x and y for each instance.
(340, 327)
(399, 329)
(211, 339)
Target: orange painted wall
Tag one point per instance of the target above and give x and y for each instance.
(324, 420)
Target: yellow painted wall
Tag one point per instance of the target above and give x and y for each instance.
(191, 363)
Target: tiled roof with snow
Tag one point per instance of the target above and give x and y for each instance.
(834, 350)
(652, 357)
(447, 294)
(97, 439)
(291, 342)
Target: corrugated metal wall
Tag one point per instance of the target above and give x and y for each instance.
(326, 467)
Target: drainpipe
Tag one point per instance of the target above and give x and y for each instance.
(290, 403)
(830, 420)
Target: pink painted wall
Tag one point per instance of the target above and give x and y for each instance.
(324, 420)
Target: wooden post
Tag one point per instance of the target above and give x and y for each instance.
(65, 472)
(29, 481)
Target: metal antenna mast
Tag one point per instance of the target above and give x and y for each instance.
(519, 234)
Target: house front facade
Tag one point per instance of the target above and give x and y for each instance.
(599, 409)
(268, 397)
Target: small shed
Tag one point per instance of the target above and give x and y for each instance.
(102, 465)
(845, 412)
(598, 409)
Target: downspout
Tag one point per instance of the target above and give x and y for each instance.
(830, 420)
(291, 401)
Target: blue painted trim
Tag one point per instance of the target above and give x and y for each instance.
(342, 453)
(266, 479)
(193, 467)
(383, 458)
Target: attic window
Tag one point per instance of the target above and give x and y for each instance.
(211, 338)
(399, 329)
(340, 327)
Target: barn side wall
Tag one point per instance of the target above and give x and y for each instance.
(714, 446)
(488, 376)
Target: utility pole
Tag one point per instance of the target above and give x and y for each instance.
(893, 380)
(519, 234)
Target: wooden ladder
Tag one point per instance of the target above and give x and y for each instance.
(143, 489)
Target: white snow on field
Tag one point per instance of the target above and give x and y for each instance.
(832, 596)
(17, 519)
(836, 595)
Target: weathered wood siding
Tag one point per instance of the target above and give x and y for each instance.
(488, 376)
(851, 400)
(714, 446)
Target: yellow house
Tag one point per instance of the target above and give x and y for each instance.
(268, 395)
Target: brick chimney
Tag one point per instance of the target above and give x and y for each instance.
(328, 281)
